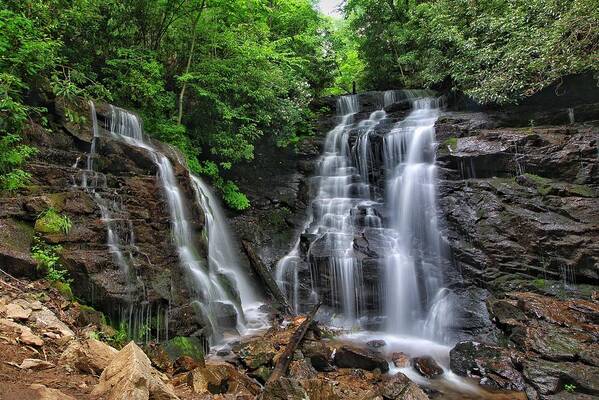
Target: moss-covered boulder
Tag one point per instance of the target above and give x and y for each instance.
(185, 346)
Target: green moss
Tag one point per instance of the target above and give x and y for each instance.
(64, 288)
(452, 143)
(50, 221)
(539, 283)
(582, 190)
(185, 346)
(543, 185)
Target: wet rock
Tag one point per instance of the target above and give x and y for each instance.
(45, 393)
(257, 353)
(225, 314)
(353, 357)
(548, 377)
(492, 365)
(427, 366)
(186, 364)
(319, 354)
(185, 346)
(221, 378)
(15, 245)
(90, 356)
(376, 344)
(551, 342)
(263, 373)
(400, 360)
(284, 389)
(319, 389)
(400, 387)
(130, 376)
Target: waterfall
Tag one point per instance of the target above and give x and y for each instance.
(219, 286)
(347, 210)
(413, 276)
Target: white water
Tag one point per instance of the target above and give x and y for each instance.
(412, 295)
(206, 279)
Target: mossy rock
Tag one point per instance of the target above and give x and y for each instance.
(452, 143)
(64, 289)
(185, 346)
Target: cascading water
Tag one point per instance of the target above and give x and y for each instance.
(415, 302)
(215, 298)
(348, 208)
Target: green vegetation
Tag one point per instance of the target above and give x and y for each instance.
(452, 143)
(570, 388)
(539, 283)
(496, 51)
(185, 346)
(48, 262)
(12, 156)
(50, 221)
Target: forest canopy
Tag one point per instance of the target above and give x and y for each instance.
(213, 77)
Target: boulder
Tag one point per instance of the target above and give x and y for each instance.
(45, 393)
(257, 353)
(319, 354)
(46, 319)
(400, 360)
(400, 387)
(427, 366)
(130, 376)
(185, 346)
(90, 356)
(186, 364)
(221, 378)
(284, 389)
(548, 377)
(354, 357)
(30, 338)
(492, 365)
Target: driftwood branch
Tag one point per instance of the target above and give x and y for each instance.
(283, 362)
(264, 275)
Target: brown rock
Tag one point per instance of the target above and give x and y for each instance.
(16, 312)
(354, 357)
(284, 389)
(30, 338)
(400, 387)
(45, 393)
(221, 378)
(35, 364)
(90, 356)
(427, 366)
(185, 364)
(130, 376)
(401, 360)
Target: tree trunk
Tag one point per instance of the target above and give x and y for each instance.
(189, 58)
(283, 362)
(266, 277)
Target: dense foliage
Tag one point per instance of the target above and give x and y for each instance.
(496, 51)
(209, 76)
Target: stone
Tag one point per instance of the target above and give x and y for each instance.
(45, 393)
(400, 360)
(547, 377)
(284, 389)
(375, 344)
(319, 389)
(221, 378)
(302, 369)
(17, 312)
(30, 338)
(492, 365)
(319, 354)
(400, 387)
(257, 353)
(90, 356)
(46, 319)
(35, 364)
(354, 357)
(186, 364)
(130, 376)
(427, 366)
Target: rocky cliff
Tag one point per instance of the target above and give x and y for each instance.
(154, 298)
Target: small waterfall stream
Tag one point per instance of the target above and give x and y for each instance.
(220, 286)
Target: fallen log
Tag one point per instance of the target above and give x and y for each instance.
(264, 275)
(283, 362)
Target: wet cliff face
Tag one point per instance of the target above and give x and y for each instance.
(159, 292)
